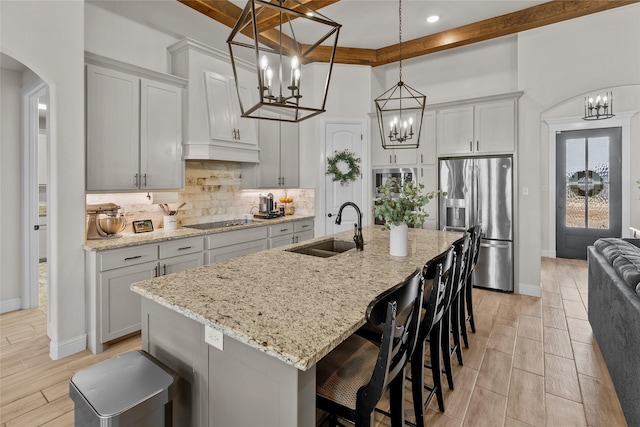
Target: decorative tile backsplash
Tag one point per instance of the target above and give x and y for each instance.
(211, 193)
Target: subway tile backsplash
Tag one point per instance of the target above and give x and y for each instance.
(211, 193)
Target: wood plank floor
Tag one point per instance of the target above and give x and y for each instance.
(532, 362)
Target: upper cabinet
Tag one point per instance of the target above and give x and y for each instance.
(214, 128)
(279, 150)
(133, 126)
(387, 157)
(481, 128)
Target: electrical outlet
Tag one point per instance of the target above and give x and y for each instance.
(525, 191)
(213, 337)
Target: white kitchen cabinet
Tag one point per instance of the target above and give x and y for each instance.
(291, 232)
(427, 149)
(279, 160)
(387, 157)
(119, 307)
(225, 122)
(233, 244)
(214, 128)
(482, 128)
(113, 310)
(133, 128)
(428, 176)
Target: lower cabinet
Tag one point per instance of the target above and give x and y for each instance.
(119, 307)
(289, 233)
(113, 309)
(233, 244)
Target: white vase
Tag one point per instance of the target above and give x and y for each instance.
(398, 240)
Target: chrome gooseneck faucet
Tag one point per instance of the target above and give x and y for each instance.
(357, 236)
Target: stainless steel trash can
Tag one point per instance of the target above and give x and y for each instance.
(133, 389)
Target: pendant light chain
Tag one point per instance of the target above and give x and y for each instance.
(400, 34)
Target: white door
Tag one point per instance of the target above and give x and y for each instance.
(338, 137)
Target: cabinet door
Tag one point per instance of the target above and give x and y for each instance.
(276, 242)
(404, 156)
(289, 155)
(120, 307)
(161, 163)
(455, 131)
(181, 263)
(495, 127)
(235, 251)
(269, 168)
(218, 104)
(113, 100)
(427, 150)
(246, 129)
(302, 236)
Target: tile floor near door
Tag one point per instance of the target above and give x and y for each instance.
(533, 361)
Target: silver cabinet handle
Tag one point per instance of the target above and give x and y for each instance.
(421, 158)
(238, 132)
(164, 269)
(155, 271)
(132, 257)
(282, 230)
(305, 226)
(477, 145)
(421, 172)
(390, 161)
(470, 145)
(135, 180)
(184, 248)
(395, 159)
(145, 180)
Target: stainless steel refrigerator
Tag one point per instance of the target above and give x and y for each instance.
(480, 191)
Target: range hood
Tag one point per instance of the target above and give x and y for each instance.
(213, 127)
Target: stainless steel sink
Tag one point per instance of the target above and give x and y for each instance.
(325, 249)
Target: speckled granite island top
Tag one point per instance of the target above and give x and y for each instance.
(160, 235)
(292, 306)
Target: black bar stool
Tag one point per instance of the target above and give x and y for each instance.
(467, 296)
(351, 380)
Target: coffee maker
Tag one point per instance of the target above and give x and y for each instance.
(266, 207)
(104, 222)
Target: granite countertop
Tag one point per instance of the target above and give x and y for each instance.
(160, 235)
(294, 307)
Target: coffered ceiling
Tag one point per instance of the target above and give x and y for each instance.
(369, 34)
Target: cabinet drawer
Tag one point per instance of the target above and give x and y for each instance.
(219, 240)
(276, 230)
(117, 258)
(181, 247)
(305, 225)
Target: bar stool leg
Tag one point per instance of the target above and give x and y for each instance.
(455, 328)
(462, 318)
(469, 298)
(445, 334)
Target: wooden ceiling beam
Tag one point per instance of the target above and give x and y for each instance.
(512, 23)
(533, 17)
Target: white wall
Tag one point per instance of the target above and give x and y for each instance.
(481, 69)
(557, 63)
(53, 47)
(10, 160)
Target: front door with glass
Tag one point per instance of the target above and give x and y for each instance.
(588, 189)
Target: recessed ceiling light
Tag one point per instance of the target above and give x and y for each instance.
(309, 14)
(433, 18)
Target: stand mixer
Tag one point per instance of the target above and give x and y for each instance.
(107, 226)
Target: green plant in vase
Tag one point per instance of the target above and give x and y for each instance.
(407, 208)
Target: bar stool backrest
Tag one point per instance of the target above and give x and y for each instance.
(462, 250)
(476, 238)
(438, 271)
(397, 312)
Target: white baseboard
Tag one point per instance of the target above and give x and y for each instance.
(60, 350)
(531, 290)
(10, 305)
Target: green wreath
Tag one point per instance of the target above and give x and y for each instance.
(352, 162)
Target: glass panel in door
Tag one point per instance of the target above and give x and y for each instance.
(588, 189)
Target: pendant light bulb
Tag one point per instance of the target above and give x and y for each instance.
(264, 62)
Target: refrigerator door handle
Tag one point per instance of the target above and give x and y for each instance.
(493, 245)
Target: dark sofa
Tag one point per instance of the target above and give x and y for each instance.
(614, 314)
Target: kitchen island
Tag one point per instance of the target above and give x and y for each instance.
(269, 318)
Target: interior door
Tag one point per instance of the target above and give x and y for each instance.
(588, 188)
(338, 137)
